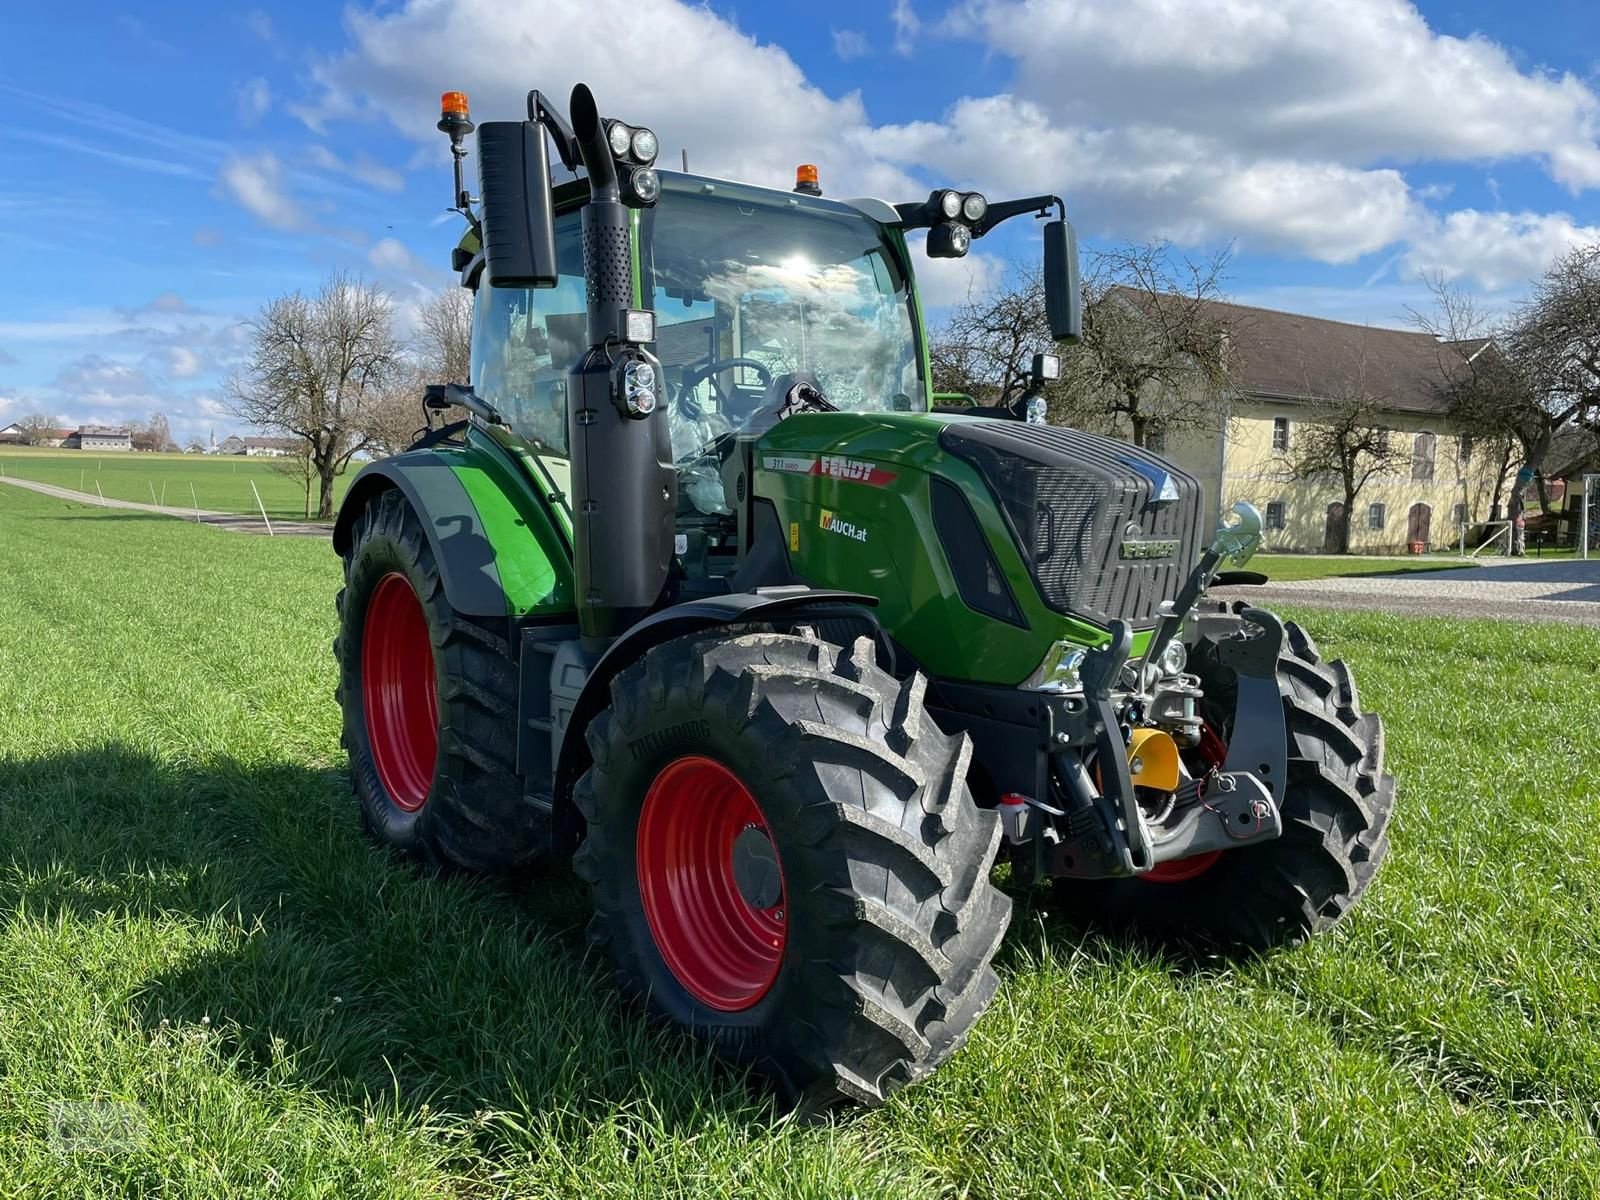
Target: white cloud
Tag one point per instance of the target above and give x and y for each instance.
(256, 182)
(943, 282)
(1496, 249)
(392, 256)
(254, 98)
(743, 108)
(260, 24)
(1358, 82)
(850, 44)
(907, 25)
(1288, 125)
(363, 168)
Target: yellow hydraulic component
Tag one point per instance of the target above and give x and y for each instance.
(1153, 760)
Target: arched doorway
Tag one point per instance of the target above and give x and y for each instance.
(1418, 522)
(1333, 529)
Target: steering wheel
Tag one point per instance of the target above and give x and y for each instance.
(693, 379)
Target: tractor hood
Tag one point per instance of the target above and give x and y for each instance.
(986, 540)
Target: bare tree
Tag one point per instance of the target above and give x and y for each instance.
(985, 349)
(38, 428)
(1532, 378)
(395, 416)
(317, 367)
(1343, 437)
(1155, 350)
(444, 336)
(154, 434)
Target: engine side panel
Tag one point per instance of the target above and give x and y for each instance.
(854, 498)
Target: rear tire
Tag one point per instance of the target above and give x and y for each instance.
(1335, 810)
(880, 918)
(455, 801)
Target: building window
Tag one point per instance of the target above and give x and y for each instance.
(1376, 516)
(1465, 450)
(1422, 449)
(1459, 513)
(1155, 437)
(1275, 514)
(1280, 433)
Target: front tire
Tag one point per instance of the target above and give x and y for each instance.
(429, 700)
(786, 861)
(1335, 809)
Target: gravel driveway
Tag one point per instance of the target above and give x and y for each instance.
(1562, 590)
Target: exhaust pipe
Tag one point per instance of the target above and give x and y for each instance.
(624, 488)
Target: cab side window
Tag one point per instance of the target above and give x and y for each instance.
(525, 340)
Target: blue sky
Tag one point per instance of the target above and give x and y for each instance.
(166, 172)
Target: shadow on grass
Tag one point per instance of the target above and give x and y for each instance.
(329, 963)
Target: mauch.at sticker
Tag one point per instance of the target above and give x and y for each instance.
(834, 524)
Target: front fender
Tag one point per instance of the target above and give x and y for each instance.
(690, 617)
(464, 553)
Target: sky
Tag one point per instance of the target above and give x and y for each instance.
(170, 167)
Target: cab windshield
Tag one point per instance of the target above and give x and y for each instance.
(754, 292)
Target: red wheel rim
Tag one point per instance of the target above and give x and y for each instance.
(398, 692)
(1215, 753)
(724, 949)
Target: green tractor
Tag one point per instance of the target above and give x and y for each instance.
(701, 594)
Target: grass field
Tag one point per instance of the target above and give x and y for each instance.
(220, 482)
(196, 935)
(1282, 568)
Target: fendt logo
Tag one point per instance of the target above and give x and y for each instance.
(832, 524)
(834, 466)
(1135, 546)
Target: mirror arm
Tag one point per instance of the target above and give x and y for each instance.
(543, 113)
(1006, 209)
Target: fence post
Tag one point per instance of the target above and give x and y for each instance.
(263, 509)
(99, 493)
(196, 500)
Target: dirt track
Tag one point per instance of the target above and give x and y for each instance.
(238, 522)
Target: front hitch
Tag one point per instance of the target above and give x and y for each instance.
(1102, 833)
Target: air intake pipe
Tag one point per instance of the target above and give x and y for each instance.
(624, 488)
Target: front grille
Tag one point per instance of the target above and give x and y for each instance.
(1073, 501)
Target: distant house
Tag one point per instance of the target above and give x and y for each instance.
(195, 448)
(232, 444)
(99, 437)
(271, 447)
(15, 435)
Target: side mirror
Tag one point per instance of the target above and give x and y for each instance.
(519, 229)
(1063, 290)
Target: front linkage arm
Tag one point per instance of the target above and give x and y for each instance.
(1102, 831)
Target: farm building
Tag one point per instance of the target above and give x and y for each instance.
(99, 437)
(16, 435)
(271, 447)
(1289, 368)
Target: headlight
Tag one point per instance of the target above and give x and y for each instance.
(644, 146)
(1037, 409)
(646, 185)
(960, 239)
(973, 206)
(639, 388)
(1174, 658)
(620, 137)
(1060, 670)
(950, 204)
